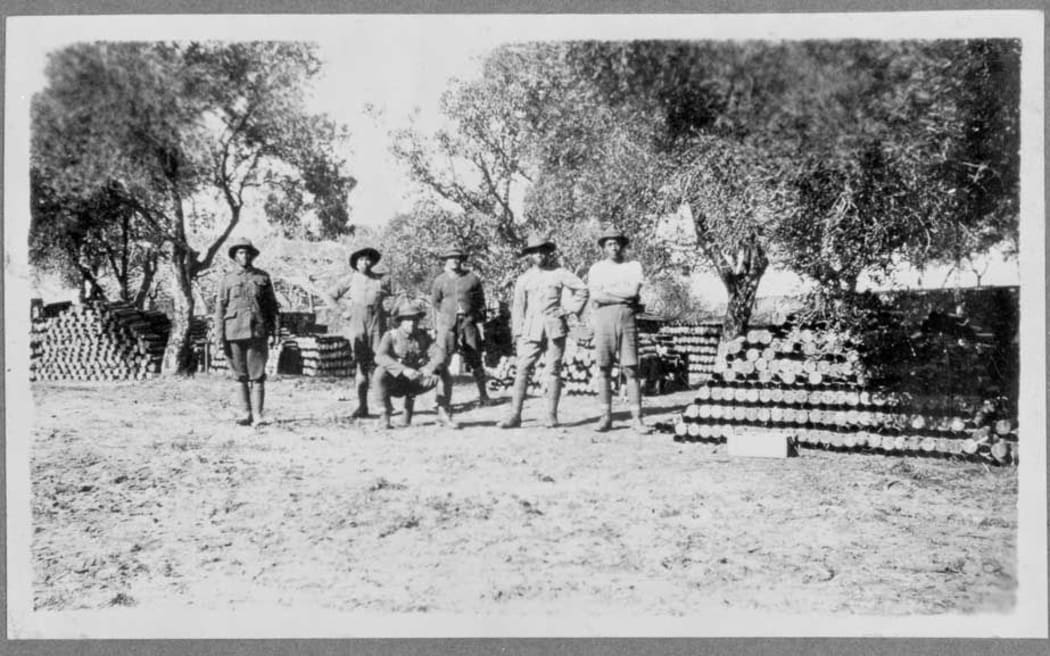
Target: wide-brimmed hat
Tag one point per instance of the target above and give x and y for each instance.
(242, 243)
(408, 308)
(453, 251)
(364, 250)
(538, 242)
(612, 233)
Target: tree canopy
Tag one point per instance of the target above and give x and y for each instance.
(829, 158)
(186, 135)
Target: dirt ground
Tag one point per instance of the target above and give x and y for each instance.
(146, 494)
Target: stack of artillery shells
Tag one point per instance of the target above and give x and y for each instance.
(696, 344)
(578, 371)
(849, 419)
(98, 341)
(323, 355)
(789, 356)
(290, 324)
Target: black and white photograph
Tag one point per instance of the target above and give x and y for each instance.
(561, 325)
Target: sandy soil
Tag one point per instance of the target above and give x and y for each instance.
(146, 494)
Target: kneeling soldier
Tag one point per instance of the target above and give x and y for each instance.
(245, 316)
(407, 362)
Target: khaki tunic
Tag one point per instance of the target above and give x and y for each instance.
(245, 305)
(364, 300)
(245, 315)
(537, 312)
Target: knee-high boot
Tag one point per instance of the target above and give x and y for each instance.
(410, 406)
(517, 399)
(362, 396)
(553, 396)
(634, 397)
(259, 401)
(605, 403)
(479, 380)
(244, 399)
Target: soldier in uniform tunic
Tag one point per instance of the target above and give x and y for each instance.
(614, 288)
(364, 297)
(459, 308)
(245, 325)
(538, 323)
(409, 363)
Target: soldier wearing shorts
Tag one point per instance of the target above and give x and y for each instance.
(245, 325)
(459, 310)
(538, 323)
(364, 297)
(614, 290)
(409, 363)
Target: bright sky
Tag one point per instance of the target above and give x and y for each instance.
(398, 67)
(403, 63)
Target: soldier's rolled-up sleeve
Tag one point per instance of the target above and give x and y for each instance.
(387, 297)
(219, 319)
(436, 355)
(270, 307)
(385, 356)
(578, 289)
(517, 308)
(437, 293)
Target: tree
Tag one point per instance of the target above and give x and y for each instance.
(893, 150)
(737, 197)
(90, 240)
(921, 164)
(191, 132)
(527, 130)
(483, 162)
(417, 239)
(830, 158)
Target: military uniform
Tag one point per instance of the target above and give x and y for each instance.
(615, 328)
(407, 365)
(614, 290)
(538, 322)
(245, 318)
(364, 298)
(459, 308)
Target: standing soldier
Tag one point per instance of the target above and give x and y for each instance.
(245, 325)
(614, 288)
(459, 309)
(364, 296)
(538, 319)
(409, 363)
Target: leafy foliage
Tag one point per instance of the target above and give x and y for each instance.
(188, 133)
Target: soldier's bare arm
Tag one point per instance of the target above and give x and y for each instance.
(437, 293)
(385, 356)
(219, 319)
(517, 310)
(579, 292)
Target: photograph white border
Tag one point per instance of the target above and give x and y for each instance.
(24, 38)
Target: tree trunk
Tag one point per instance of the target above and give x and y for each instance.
(90, 289)
(178, 356)
(742, 291)
(149, 270)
